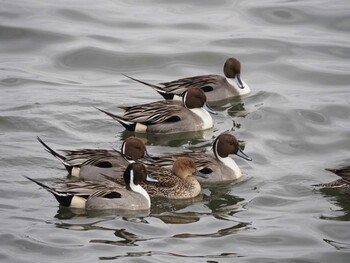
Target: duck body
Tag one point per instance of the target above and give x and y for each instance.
(216, 87)
(168, 117)
(106, 194)
(89, 164)
(213, 168)
(176, 182)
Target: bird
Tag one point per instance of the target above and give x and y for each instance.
(212, 168)
(178, 182)
(94, 195)
(88, 164)
(216, 87)
(168, 117)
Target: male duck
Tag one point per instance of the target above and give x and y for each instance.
(88, 164)
(105, 195)
(215, 168)
(216, 87)
(167, 117)
(343, 182)
(177, 183)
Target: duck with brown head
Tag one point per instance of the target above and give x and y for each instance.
(168, 117)
(216, 87)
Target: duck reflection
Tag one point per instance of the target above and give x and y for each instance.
(339, 189)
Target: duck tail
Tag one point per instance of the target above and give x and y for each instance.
(64, 198)
(56, 154)
(160, 90)
(129, 125)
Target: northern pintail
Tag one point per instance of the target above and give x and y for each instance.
(342, 183)
(215, 168)
(168, 117)
(216, 87)
(178, 182)
(107, 194)
(88, 164)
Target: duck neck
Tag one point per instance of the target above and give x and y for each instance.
(233, 83)
(227, 161)
(139, 189)
(204, 116)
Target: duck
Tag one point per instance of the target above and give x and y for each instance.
(105, 195)
(168, 117)
(88, 164)
(216, 87)
(214, 168)
(342, 183)
(178, 182)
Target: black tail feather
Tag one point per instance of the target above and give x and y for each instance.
(50, 150)
(129, 125)
(64, 198)
(160, 90)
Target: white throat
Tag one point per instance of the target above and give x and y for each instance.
(139, 189)
(233, 83)
(229, 162)
(205, 117)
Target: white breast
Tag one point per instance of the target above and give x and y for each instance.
(205, 117)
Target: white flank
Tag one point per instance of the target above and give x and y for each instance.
(205, 117)
(140, 128)
(75, 171)
(78, 202)
(177, 98)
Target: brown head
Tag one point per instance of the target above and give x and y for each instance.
(226, 144)
(134, 148)
(184, 167)
(232, 67)
(135, 174)
(194, 98)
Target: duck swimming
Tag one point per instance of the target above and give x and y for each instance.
(88, 164)
(212, 168)
(105, 195)
(168, 117)
(216, 87)
(178, 182)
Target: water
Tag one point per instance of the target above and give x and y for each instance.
(59, 60)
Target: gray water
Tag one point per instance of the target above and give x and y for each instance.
(60, 59)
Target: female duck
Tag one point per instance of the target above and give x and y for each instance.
(177, 183)
(88, 164)
(216, 87)
(168, 116)
(106, 195)
(215, 168)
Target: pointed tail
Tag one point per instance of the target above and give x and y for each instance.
(129, 125)
(50, 150)
(57, 155)
(64, 198)
(160, 90)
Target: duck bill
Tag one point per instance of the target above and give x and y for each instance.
(241, 154)
(201, 175)
(208, 109)
(239, 81)
(151, 180)
(147, 156)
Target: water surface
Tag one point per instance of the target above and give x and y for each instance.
(60, 60)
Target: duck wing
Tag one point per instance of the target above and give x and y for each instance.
(206, 82)
(153, 113)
